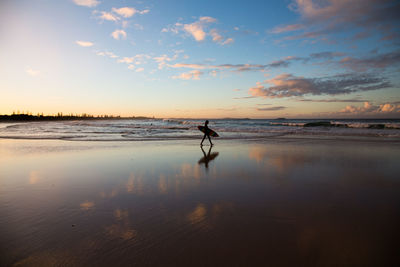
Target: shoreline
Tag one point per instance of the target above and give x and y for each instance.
(280, 137)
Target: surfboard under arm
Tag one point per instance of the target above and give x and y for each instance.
(210, 132)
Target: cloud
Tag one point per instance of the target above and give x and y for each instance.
(334, 100)
(287, 28)
(191, 75)
(84, 43)
(128, 12)
(126, 60)
(228, 41)
(32, 72)
(196, 30)
(282, 63)
(137, 59)
(125, 12)
(162, 60)
(380, 61)
(370, 109)
(279, 63)
(244, 97)
(233, 67)
(207, 20)
(174, 29)
(144, 11)
(387, 108)
(108, 16)
(88, 3)
(288, 85)
(214, 73)
(217, 38)
(359, 18)
(191, 66)
(106, 53)
(116, 13)
(271, 108)
(326, 55)
(118, 34)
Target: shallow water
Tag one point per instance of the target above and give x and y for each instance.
(166, 129)
(293, 202)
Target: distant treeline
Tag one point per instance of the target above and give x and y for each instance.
(61, 117)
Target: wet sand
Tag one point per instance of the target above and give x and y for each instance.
(280, 202)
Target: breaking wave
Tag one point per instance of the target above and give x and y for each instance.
(160, 129)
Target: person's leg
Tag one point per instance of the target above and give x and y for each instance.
(204, 137)
(209, 139)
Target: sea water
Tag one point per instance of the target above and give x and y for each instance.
(161, 129)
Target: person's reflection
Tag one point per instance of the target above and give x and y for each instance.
(207, 157)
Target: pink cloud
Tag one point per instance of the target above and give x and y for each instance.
(191, 75)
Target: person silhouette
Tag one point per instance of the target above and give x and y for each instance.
(206, 133)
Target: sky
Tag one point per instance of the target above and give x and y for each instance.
(201, 59)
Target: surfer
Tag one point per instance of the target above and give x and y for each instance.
(206, 133)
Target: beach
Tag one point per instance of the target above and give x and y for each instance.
(105, 107)
(279, 201)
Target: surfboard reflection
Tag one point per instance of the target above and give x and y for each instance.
(207, 157)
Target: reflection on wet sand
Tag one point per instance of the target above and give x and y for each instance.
(338, 205)
(189, 170)
(281, 160)
(198, 214)
(207, 157)
(162, 184)
(122, 228)
(87, 205)
(34, 177)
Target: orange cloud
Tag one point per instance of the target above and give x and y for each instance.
(370, 109)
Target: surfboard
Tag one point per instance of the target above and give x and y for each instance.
(210, 132)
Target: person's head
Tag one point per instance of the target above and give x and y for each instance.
(206, 122)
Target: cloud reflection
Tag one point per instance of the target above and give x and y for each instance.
(122, 228)
(135, 184)
(282, 161)
(198, 214)
(87, 205)
(188, 170)
(34, 177)
(162, 184)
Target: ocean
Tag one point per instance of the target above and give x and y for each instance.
(164, 129)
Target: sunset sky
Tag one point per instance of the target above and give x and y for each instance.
(197, 59)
